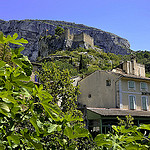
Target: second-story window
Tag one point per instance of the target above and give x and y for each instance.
(131, 84)
(132, 102)
(143, 86)
(108, 82)
(144, 102)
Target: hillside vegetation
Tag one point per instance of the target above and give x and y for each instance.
(85, 61)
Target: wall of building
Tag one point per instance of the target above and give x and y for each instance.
(95, 93)
(88, 39)
(137, 92)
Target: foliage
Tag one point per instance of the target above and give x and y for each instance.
(59, 84)
(28, 119)
(127, 123)
(122, 138)
(59, 31)
(82, 65)
(65, 65)
(125, 136)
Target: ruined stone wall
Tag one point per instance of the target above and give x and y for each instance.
(88, 39)
(78, 38)
(67, 35)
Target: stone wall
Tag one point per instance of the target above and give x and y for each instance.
(78, 38)
(88, 39)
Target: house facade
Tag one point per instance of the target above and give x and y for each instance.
(107, 94)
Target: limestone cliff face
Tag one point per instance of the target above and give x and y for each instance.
(32, 30)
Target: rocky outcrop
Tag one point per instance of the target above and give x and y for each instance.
(33, 30)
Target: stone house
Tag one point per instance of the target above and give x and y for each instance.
(107, 94)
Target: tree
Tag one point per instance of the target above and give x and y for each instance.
(28, 119)
(59, 31)
(125, 136)
(82, 65)
(128, 122)
(59, 84)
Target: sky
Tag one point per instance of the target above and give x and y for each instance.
(129, 19)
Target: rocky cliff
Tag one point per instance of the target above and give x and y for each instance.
(33, 30)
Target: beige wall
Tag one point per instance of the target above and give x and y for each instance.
(95, 93)
(78, 38)
(88, 39)
(102, 96)
(137, 92)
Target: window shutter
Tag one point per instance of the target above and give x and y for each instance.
(131, 84)
(143, 85)
(132, 102)
(144, 103)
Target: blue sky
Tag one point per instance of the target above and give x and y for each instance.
(129, 19)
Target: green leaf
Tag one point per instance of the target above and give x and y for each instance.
(2, 63)
(52, 107)
(15, 36)
(69, 133)
(22, 41)
(17, 52)
(145, 126)
(36, 145)
(22, 77)
(15, 42)
(29, 85)
(80, 132)
(33, 121)
(52, 128)
(8, 39)
(101, 140)
(14, 138)
(53, 115)
(4, 112)
(11, 99)
(4, 106)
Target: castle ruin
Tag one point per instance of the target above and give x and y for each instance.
(66, 41)
(80, 40)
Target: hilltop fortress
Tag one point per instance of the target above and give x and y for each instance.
(66, 41)
(78, 40)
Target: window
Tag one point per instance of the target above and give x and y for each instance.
(131, 84)
(143, 86)
(108, 82)
(144, 103)
(132, 102)
(89, 96)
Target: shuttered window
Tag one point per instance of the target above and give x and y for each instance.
(132, 102)
(143, 85)
(144, 103)
(131, 84)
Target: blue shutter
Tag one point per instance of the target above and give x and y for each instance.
(144, 103)
(131, 84)
(143, 85)
(132, 102)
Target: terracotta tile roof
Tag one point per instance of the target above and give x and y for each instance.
(119, 112)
